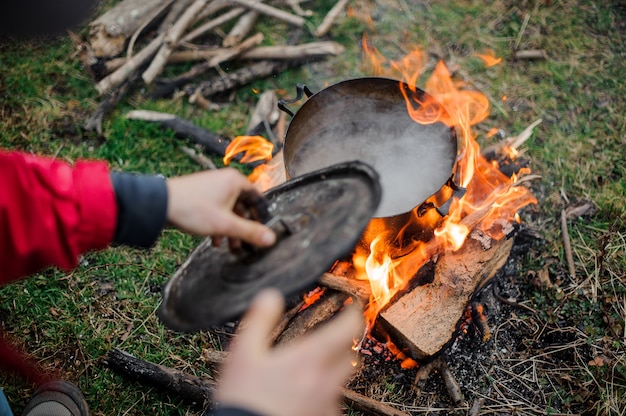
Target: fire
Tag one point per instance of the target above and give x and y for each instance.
(489, 204)
(255, 148)
(489, 57)
(491, 200)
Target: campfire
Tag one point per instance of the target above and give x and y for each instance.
(421, 275)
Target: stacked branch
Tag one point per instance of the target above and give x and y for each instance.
(136, 40)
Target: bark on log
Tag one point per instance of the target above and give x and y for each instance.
(109, 32)
(213, 143)
(170, 87)
(194, 389)
(319, 312)
(171, 40)
(271, 11)
(302, 51)
(424, 320)
(240, 77)
(330, 18)
(241, 29)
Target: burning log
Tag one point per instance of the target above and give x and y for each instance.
(317, 313)
(212, 142)
(425, 319)
(200, 390)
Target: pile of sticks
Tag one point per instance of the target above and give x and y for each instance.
(133, 42)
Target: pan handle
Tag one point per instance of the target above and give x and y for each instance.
(301, 89)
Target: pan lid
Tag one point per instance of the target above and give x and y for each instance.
(318, 218)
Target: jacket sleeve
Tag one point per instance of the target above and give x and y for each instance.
(51, 212)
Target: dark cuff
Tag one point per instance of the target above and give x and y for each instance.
(141, 208)
(233, 411)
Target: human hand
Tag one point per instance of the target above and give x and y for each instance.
(302, 378)
(204, 204)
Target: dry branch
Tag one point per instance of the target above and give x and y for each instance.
(212, 24)
(240, 77)
(271, 11)
(131, 65)
(531, 54)
(94, 123)
(195, 389)
(109, 32)
(199, 158)
(213, 143)
(330, 17)
(241, 29)
(171, 40)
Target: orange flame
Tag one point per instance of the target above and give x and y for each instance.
(255, 148)
(491, 200)
(489, 57)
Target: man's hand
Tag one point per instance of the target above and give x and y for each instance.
(204, 204)
(302, 378)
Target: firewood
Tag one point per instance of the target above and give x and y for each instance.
(94, 123)
(425, 319)
(359, 289)
(531, 54)
(241, 29)
(130, 66)
(452, 386)
(495, 151)
(330, 18)
(191, 388)
(171, 40)
(225, 55)
(213, 143)
(174, 10)
(317, 313)
(295, 6)
(271, 11)
(240, 77)
(199, 158)
(302, 51)
(178, 8)
(109, 32)
(212, 24)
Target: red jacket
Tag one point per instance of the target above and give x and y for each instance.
(51, 212)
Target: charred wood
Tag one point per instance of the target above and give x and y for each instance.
(185, 129)
(191, 388)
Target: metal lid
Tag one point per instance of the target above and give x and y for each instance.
(319, 218)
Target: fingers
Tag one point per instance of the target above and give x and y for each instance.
(249, 231)
(259, 322)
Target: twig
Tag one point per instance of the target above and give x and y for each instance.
(212, 24)
(568, 246)
(241, 29)
(530, 54)
(131, 65)
(452, 386)
(521, 31)
(330, 17)
(478, 403)
(171, 40)
(154, 15)
(272, 12)
(199, 158)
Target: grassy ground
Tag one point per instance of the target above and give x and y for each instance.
(69, 321)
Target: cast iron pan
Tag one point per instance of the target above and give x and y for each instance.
(318, 217)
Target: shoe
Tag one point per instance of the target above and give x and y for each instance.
(57, 398)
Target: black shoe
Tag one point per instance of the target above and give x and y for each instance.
(57, 398)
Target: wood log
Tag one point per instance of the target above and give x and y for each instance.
(358, 289)
(225, 55)
(240, 77)
(425, 319)
(319, 312)
(330, 18)
(241, 29)
(213, 143)
(302, 51)
(212, 24)
(171, 40)
(109, 32)
(271, 11)
(191, 388)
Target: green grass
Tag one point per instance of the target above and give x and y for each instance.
(69, 321)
